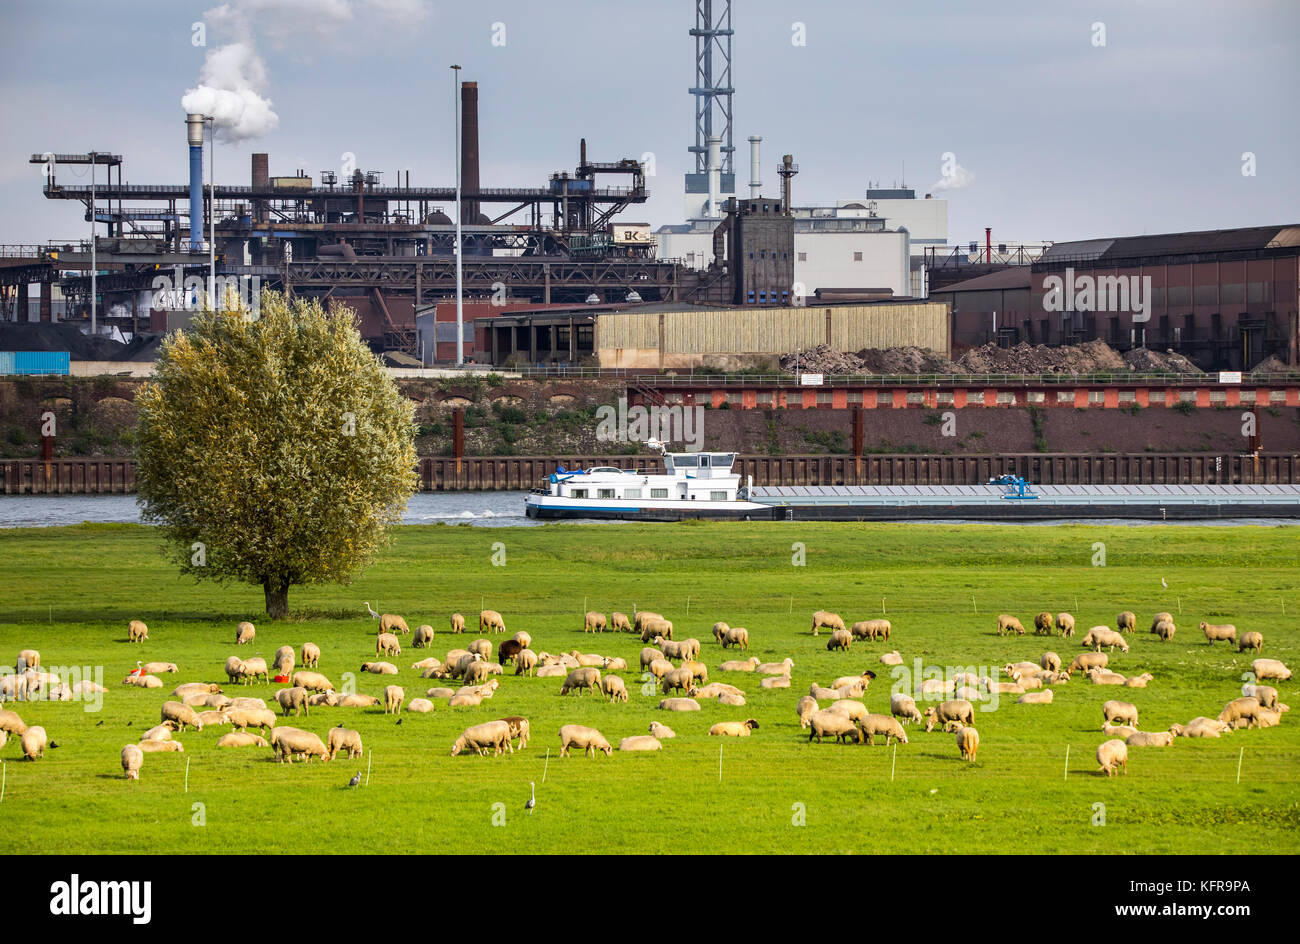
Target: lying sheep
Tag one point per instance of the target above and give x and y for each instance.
(253, 703)
(1065, 623)
(387, 644)
(379, 668)
(827, 723)
(949, 711)
(714, 690)
(1121, 711)
(1149, 739)
(1126, 622)
(1113, 754)
(841, 639)
(1009, 624)
(490, 735)
(323, 700)
(1245, 708)
(491, 621)
(904, 706)
(1036, 698)
(429, 663)
(739, 729)
(344, 739)
(580, 678)
(1270, 669)
(465, 700)
(588, 740)
(968, 743)
(159, 732)
(891, 658)
(1086, 661)
(735, 665)
(136, 631)
(161, 747)
(1100, 636)
(1105, 677)
(806, 708)
(519, 729)
(1213, 633)
(775, 668)
(1121, 731)
(1044, 623)
(1201, 727)
(731, 701)
(619, 623)
(358, 701)
(775, 681)
(554, 671)
(1139, 681)
(1050, 662)
(310, 654)
(614, 687)
(291, 743)
(159, 668)
(1251, 640)
(240, 739)
(679, 704)
(1003, 688)
(244, 633)
(822, 693)
(1165, 629)
(640, 742)
(143, 681)
(614, 664)
(312, 681)
(132, 761)
(827, 619)
(593, 622)
(588, 658)
(662, 731)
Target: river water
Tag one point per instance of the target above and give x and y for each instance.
(479, 509)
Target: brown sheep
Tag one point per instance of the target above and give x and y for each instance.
(509, 651)
(840, 639)
(1043, 624)
(1165, 629)
(1160, 618)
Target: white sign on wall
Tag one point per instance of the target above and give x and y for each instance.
(1229, 376)
(811, 380)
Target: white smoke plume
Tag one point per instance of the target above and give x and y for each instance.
(230, 89)
(959, 178)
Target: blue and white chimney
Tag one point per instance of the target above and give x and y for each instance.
(194, 132)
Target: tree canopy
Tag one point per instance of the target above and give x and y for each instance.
(274, 451)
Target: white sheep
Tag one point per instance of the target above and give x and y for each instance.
(132, 761)
(310, 654)
(827, 723)
(1100, 636)
(588, 740)
(775, 681)
(679, 704)
(662, 731)
(870, 725)
(1214, 632)
(344, 739)
(1150, 739)
(736, 665)
(640, 742)
(614, 687)
(1036, 698)
(1113, 754)
(738, 729)
(1270, 669)
(968, 743)
(420, 705)
(904, 706)
(1120, 711)
(394, 695)
(891, 658)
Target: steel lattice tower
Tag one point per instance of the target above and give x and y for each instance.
(712, 92)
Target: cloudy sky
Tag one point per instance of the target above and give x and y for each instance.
(1067, 119)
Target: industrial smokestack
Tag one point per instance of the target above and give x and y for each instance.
(261, 171)
(755, 185)
(788, 170)
(469, 209)
(194, 134)
(715, 177)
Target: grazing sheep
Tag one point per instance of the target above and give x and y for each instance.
(282, 664)
(519, 729)
(737, 636)
(1251, 640)
(656, 627)
(650, 654)
(737, 729)
(1266, 695)
(387, 644)
(457, 623)
(253, 669)
(240, 739)
(136, 631)
(1105, 677)
(619, 623)
(640, 742)
(827, 619)
(783, 667)
(244, 633)
(681, 679)
(1245, 707)
(1139, 681)
(132, 761)
(1009, 624)
(1112, 754)
(28, 659)
(968, 743)
(586, 677)
(1160, 618)
(310, 654)
(593, 622)
(491, 621)
(481, 647)
(1043, 624)
(292, 699)
(662, 731)
(735, 665)
(1150, 739)
(290, 743)
(312, 681)
(394, 695)
(1036, 698)
(1086, 661)
(244, 718)
(161, 747)
(775, 681)
(180, 715)
(1270, 669)
(478, 672)
(588, 740)
(10, 723)
(379, 668)
(1065, 623)
(358, 701)
(679, 704)
(949, 711)
(509, 651)
(806, 708)
(525, 662)
(697, 669)
(871, 629)
(1214, 633)
(1050, 662)
(494, 735)
(841, 639)
(904, 706)
(891, 658)
(1165, 629)
(639, 621)
(33, 742)
(1121, 711)
(849, 708)
(1100, 636)
(613, 686)
(826, 723)
(344, 739)
(720, 630)
(423, 638)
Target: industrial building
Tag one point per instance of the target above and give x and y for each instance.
(1225, 299)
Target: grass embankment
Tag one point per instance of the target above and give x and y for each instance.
(73, 590)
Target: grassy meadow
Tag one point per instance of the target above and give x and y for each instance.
(71, 591)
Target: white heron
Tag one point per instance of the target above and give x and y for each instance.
(532, 800)
(1163, 584)
(372, 612)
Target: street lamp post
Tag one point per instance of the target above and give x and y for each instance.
(460, 311)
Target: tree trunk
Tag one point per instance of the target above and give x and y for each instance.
(277, 597)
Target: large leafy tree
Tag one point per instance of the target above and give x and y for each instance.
(274, 451)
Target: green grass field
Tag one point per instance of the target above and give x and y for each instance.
(71, 591)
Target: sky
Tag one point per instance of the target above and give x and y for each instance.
(1045, 120)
